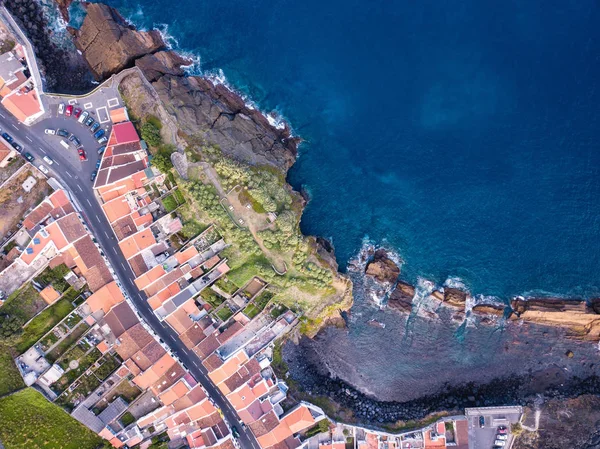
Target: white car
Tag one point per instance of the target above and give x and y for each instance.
(61, 108)
(500, 443)
(502, 437)
(50, 131)
(43, 169)
(48, 160)
(102, 139)
(83, 117)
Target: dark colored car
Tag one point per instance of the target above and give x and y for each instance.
(29, 157)
(62, 132)
(82, 156)
(17, 147)
(98, 162)
(481, 422)
(69, 111)
(77, 112)
(75, 140)
(94, 174)
(101, 149)
(7, 137)
(98, 134)
(95, 127)
(89, 121)
(235, 432)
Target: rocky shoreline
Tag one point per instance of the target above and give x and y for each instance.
(356, 406)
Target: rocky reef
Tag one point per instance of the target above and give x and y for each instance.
(109, 44)
(382, 268)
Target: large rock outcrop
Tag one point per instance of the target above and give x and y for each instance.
(109, 44)
(580, 321)
(401, 297)
(382, 268)
(455, 297)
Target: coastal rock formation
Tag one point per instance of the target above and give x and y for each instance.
(401, 297)
(581, 322)
(489, 309)
(454, 297)
(162, 63)
(382, 268)
(109, 44)
(63, 7)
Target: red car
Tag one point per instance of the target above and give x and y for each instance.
(77, 112)
(69, 111)
(82, 156)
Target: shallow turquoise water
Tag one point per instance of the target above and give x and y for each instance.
(463, 135)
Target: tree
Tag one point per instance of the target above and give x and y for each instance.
(191, 229)
(162, 161)
(151, 134)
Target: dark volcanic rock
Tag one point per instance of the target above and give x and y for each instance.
(162, 63)
(382, 268)
(63, 6)
(109, 44)
(197, 104)
(402, 296)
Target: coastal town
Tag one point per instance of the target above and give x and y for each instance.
(122, 311)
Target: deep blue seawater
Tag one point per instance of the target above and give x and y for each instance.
(465, 135)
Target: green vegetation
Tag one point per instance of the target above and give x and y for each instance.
(29, 421)
(19, 307)
(66, 343)
(10, 378)
(151, 133)
(258, 304)
(71, 295)
(224, 313)
(516, 429)
(192, 228)
(169, 203)
(42, 323)
(10, 245)
(226, 286)
(55, 277)
(127, 419)
(162, 161)
(320, 427)
(179, 196)
(6, 45)
(211, 297)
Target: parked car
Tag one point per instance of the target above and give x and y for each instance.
(62, 132)
(43, 169)
(101, 149)
(16, 146)
(89, 121)
(82, 156)
(29, 157)
(102, 140)
(499, 443)
(72, 137)
(7, 137)
(235, 432)
(83, 117)
(76, 142)
(481, 422)
(69, 111)
(50, 131)
(48, 160)
(95, 127)
(61, 108)
(77, 112)
(94, 174)
(502, 430)
(502, 437)
(98, 134)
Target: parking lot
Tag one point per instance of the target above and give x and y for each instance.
(485, 437)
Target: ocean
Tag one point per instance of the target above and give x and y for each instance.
(464, 136)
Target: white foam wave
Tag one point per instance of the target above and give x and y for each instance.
(455, 282)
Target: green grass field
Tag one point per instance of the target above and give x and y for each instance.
(42, 323)
(10, 379)
(29, 421)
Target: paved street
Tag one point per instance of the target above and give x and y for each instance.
(75, 177)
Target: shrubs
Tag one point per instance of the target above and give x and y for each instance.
(162, 161)
(151, 134)
(191, 229)
(169, 203)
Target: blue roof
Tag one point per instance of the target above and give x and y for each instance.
(29, 250)
(36, 241)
